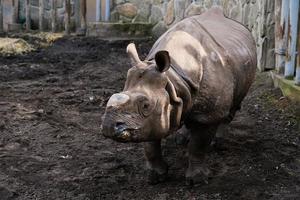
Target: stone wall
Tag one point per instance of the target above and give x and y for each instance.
(257, 15)
(34, 13)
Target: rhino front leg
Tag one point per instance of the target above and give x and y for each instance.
(201, 138)
(157, 168)
(182, 136)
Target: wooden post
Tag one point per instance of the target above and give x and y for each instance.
(76, 13)
(290, 62)
(67, 16)
(28, 20)
(83, 15)
(98, 10)
(41, 15)
(297, 78)
(107, 10)
(1, 16)
(284, 24)
(279, 32)
(53, 15)
(15, 11)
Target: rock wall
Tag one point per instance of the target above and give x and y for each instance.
(34, 13)
(257, 15)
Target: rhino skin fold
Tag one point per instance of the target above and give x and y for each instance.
(196, 75)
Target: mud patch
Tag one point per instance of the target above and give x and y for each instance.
(51, 103)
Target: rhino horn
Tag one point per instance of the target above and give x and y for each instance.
(117, 100)
(133, 55)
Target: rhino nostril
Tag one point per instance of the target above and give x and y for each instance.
(121, 131)
(120, 127)
(120, 124)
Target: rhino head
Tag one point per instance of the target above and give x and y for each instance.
(147, 107)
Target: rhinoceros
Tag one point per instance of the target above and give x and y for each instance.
(196, 74)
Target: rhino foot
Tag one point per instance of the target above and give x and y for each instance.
(197, 175)
(219, 144)
(198, 146)
(183, 136)
(158, 174)
(157, 168)
(154, 177)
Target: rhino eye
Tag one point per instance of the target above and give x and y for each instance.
(144, 107)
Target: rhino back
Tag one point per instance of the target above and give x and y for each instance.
(216, 53)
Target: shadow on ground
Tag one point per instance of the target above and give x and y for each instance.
(51, 103)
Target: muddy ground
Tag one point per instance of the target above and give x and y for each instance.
(51, 103)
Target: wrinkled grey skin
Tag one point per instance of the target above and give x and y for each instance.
(196, 74)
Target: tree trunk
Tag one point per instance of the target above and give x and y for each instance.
(53, 15)
(1, 16)
(67, 16)
(41, 15)
(28, 20)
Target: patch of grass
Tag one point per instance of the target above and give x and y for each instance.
(282, 104)
(272, 99)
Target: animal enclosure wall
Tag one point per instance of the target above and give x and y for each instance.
(287, 74)
(257, 15)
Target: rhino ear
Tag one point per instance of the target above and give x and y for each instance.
(162, 59)
(133, 55)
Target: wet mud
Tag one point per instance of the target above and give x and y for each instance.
(51, 103)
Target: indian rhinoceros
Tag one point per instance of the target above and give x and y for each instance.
(196, 74)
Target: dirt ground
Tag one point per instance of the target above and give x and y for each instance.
(51, 103)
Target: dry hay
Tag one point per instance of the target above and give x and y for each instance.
(10, 46)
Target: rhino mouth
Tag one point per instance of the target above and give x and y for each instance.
(121, 127)
(120, 133)
(124, 134)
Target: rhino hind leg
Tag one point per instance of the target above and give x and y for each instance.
(182, 136)
(218, 141)
(223, 128)
(199, 144)
(157, 168)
